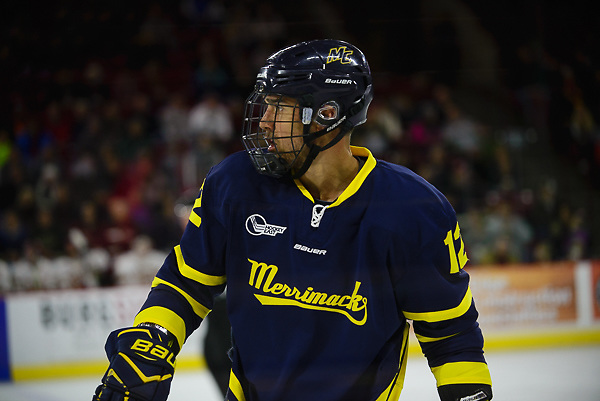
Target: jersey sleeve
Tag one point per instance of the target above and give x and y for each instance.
(433, 291)
(193, 273)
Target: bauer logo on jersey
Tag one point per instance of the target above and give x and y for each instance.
(257, 225)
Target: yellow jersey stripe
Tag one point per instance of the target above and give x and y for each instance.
(194, 274)
(447, 314)
(462, 373)
(198, 308)
(194, 217)
(423, 339)
(392, 392)
(304, 190)
(163, 317)
(236, 387)
(360, 177)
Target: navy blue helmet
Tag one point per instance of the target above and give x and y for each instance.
(308, 77)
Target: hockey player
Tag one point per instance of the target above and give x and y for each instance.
(326, 252)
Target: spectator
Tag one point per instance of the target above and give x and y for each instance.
(472, 230)
(507, 233)
(90, 227)
(382, 131)
(13, 236)
(425, 130)
(46, 190)
(119, 232)
(460, 132)
(24, 275)
(173, 120)
(26, 206)
(138, 265)
(210, 76)
(211, 119)
(576, 242)
(436, 169)
(6, 281)
(13, 177)
(49, 237)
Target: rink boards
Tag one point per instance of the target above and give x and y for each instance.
(62, 333)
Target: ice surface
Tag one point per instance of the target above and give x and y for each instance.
(556, 374)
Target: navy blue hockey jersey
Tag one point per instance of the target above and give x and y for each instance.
(319, 295)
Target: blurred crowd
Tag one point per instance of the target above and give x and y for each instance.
(103, 156)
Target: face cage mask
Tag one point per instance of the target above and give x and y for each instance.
(265, 150)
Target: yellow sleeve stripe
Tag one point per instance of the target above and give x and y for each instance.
(194, 274)
(163, 317)
(441, 315)
(236, 387)
(423, 339)
(462, 373)
(198, 201)
(198, 308)
(195, 219)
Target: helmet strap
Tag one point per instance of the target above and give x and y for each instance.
(314, 150)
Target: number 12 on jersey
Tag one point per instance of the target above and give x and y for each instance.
(459, 259)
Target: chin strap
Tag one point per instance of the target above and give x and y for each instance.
(313, 149)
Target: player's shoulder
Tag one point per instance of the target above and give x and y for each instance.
(406, 185)
(235, 175)
(233, 171)
(411, 207)
(232, 166)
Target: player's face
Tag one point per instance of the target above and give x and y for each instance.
(281, 121)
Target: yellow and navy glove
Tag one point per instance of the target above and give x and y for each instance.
(465, 392)
(142, 364)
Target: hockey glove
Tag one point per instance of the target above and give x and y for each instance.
(142, 363)
(465, 392)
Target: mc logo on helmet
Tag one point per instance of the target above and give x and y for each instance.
(339, 54)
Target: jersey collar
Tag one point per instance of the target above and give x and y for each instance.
(356, 182)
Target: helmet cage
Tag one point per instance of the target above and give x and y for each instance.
(274, 156)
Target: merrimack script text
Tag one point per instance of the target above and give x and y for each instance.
(262, 277)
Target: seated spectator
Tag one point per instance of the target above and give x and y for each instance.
(119, 232)
(138, 265)
(6, 281)
(13, 235)
(24, 275)
(211, 118)
(508, 234)
(49, 237)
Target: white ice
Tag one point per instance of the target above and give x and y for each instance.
(557, 374)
